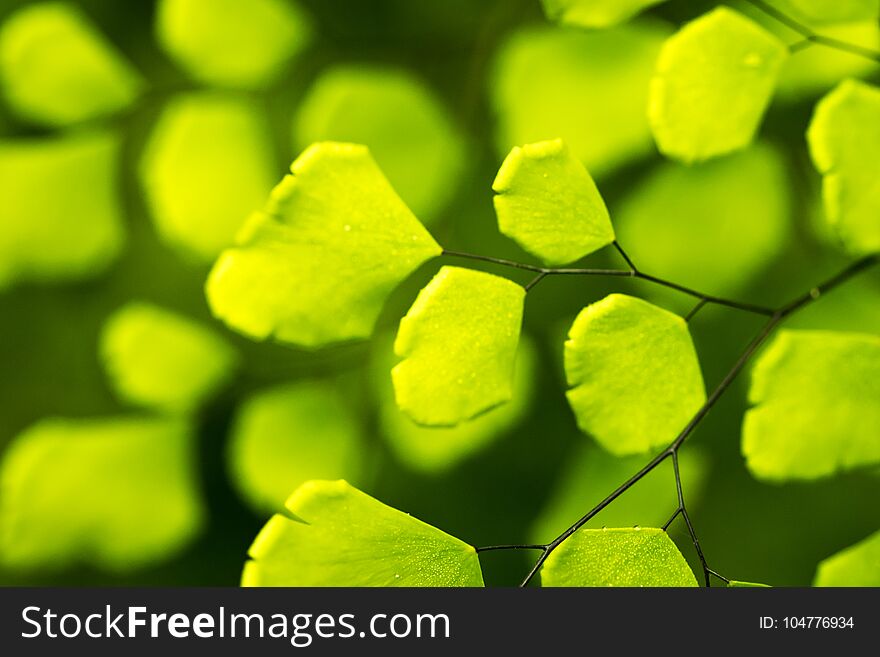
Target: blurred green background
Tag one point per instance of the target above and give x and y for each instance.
(440, 90)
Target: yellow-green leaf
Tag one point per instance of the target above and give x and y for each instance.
(844, 139)
(209, 164)
(458, 344)
(617, 557)
(159, 359)
(113, 493)
(713, 81)
(57, 69)
(595, 13)
(547, 202)
(60, 213)
(633, 375)
(437, 449)
(289, 434)
(830, 11)
(339, 536)
(857, 565)
(816, 397)
(230, 43)
(316, 266)
(400, 119)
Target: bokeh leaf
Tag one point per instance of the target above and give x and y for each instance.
(588, 88)
(713, 81)
(437, 449)
(590, 473)
(229, 43)
(60, 214)
(830, 11)
(57, 69)
(458, 345)
(816, 397)
(402, 122)
(712, 226)
(594, 13)
(159, 359)
(857, 565)
(209, 164)
(633, 374)
(339, 536)
(547, 202)
(617, 557)
(316, 266)
(844, 139)
(113, 493)
(289, 434)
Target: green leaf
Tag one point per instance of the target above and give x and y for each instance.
(844, 140)
(735, 584)
(458, 345)
(713, 226)
(113, 493)
(162, 360)
(57, 69)
(60, 216)
(617, 557)
(713, 81)
(595, 13)
(209, 164)
(229, 43)
(590, 473)
(857, 565)
(339, 536)
(588, 88)
(438, 449)
(316, 266)
(633, 375)
(816, 397)
(400, 119)
(286, 435)
(547, 202)
(830, 11)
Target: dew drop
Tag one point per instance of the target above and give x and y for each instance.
(637, 528)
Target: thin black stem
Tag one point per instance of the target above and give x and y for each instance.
(695, 310)
(810, 36)
(625, 256)
(633, 272)
(719, 576)
(490, 548)
(777, 318)
(687, 519)
(671, 519)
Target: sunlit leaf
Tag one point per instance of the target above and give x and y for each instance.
(159, 359)
(711, 226)
(830, 11)
(548, 203)
(617, 557)
(60, 216)
(458, 345)
(208, 165)
(436, 449)
(402, 122)
(591, 473)
(57, 69)
(816, 397)
(316, 266)
(231, 43)
(594, 13)
(857, 565)
(289, 434)
(339, 536)
(588, 88)
(113, 493)
(633, 375)
(713, 81)
(844, 139)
